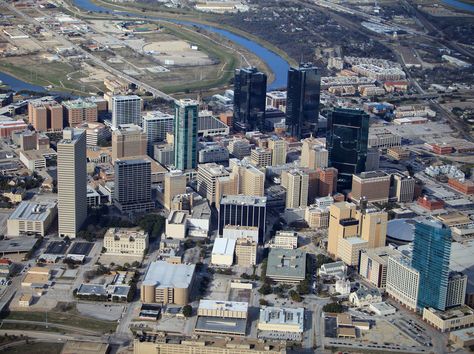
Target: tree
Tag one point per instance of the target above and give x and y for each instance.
(265, 289)
(263, 302)
(333, 307)
(103, 250)
(295, 296)
(303, 287)
(187, 311)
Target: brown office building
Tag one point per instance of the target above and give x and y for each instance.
(327, 181)
(46, 115)
(80, 111)
(167, 283)
(161, 343)
(128, 140)
(373, 185)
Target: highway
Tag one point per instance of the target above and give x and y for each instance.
(154, 91)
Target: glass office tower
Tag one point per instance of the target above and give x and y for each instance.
(250, 90)
(346, 142)
(302, 108)
(185, 134)
(431, 254)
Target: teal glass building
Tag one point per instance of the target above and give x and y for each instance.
(431, 254)
(185, 134)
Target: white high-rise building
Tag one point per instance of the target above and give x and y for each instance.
(126, 110)
(402, 281)
(72, 182)
(156, 124)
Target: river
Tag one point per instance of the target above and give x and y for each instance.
(459, 5)
(276, 63)
(18, 85)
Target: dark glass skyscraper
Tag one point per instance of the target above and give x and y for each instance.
(250, 90)
(243, 210)
(346, 142)
(302, 108)
(431, 254)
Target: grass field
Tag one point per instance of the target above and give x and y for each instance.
(226, 66)
(30, 327)
(43, 74)
(35, 348)
(65, 318)
(195, 16)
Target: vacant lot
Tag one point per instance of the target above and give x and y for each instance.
(65, 318)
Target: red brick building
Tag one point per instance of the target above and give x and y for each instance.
(466, 187)
(430, 203)
(442, 149)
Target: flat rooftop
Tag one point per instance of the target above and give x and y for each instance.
(244, 200)
(212, 341)
(33, 211)
(224, 247)
(38, 154)
(177, 217)
(17, 245)
(462, 260)
(223, 305)
(96, 289)
(166, 275)
(232, 326)
(380, 254)
(286, 263)
(282, 316)
(372, 174)
(79, 104)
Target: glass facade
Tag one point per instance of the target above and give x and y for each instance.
(242, 211)
(185, 134)
(302, 109)
(346, 142)
(431, 254)
(250, 90)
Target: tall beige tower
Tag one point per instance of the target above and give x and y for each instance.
(227, 185)
(128, 140)
(174, 184)
(313, 154)
(342, 224)
(72, 182)
(297, 189)
(279, 149)
(373, 227)
(251, 179)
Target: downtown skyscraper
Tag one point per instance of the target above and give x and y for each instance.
(303, 92)
(72, 182)
(250, 89)
(185, 134)
(346, 142)
(431, 255)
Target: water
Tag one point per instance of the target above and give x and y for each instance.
(459, 5)
(18, 85)
(276, 63)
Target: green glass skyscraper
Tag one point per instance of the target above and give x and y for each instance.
(431, 254)
(185, 134)
(346, 142)
(302, 109)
